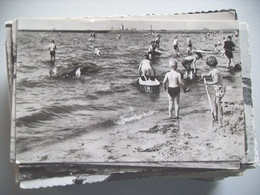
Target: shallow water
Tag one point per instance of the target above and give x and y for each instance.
(50, 109)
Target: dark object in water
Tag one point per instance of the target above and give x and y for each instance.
(153, 54)
(71, 71)
(237, 68)
(152, 85)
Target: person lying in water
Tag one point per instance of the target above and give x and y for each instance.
(173, 78)
(189, 63)
(146, 68)
(217, 82)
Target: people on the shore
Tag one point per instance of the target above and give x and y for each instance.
(173, 78)
(217, 82)
(52, 47)
(176, 46)
(229, 47)
(146, 69)
(189, 63)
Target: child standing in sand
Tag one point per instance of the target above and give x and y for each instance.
(174, 79)
(217, 82)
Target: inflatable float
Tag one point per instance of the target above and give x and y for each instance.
(74, 70)
(150, 85)
(205, 51)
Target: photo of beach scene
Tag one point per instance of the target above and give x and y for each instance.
(129, 91)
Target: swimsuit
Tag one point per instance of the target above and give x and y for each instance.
(173, 91)
(52, 53)
(219, 90)
(228, 46)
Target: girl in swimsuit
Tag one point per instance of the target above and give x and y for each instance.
(174, 79)
(217, 82)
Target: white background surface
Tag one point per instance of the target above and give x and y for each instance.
(248, 11)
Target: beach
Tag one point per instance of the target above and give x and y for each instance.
(110, 119)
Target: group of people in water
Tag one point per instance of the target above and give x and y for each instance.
(173, 80)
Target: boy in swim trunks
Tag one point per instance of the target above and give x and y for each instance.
(217, 82)
(174, 81)
(191, 60)
(146, 68)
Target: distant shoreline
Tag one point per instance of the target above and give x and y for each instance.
(133, 31)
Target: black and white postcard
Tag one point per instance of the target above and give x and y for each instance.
(138, 90)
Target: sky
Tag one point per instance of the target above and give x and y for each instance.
(212, 21)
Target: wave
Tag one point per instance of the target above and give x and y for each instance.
(46, 114)
(127, 119)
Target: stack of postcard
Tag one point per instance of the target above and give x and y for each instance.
(116, 98)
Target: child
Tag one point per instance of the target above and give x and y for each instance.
(157, 41)
(97, 52)
(191, 60)
(217, 82)
(146, 69)
(52, 47)
(215, 49)
(174, 79)
(189, 46)
(176, 45)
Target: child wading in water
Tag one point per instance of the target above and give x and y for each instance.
(174, 79)
(217, 82)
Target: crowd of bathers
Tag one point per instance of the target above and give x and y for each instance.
(173, 79)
